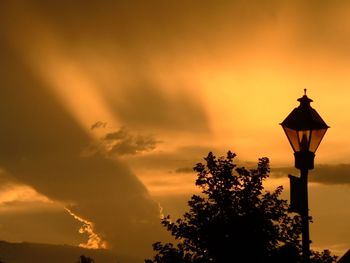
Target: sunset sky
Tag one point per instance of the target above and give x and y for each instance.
(106, 106)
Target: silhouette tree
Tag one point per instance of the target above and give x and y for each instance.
(323, 257)
(84, 259)
(233, 220)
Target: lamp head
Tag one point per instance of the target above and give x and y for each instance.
(305, 129)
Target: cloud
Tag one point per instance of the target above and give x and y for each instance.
(337, 174)
(27, 216)
(41, 148)
(100, 190)
(331, 174)
(94, 241)
(171, 160)
(140, 55)
(122, 142)
(184, 170)
(98, 124)
(146, 104)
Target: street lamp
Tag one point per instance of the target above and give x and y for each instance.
(305, 129)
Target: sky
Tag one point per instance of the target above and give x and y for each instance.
(106, 106)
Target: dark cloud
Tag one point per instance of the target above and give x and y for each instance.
(146, 105)
(138, 29)
(98, 124)
(35, 222)
(338, 174)
(100, 190)
(196, 151)
(37, 125)
(158, 24)
(40, 142)
(184, 170)
(123, 142)
(121, 134)
(40, 147)
(174, 205)
(182, 157)
(131, 30)
(331, 174)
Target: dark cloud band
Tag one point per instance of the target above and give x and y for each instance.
(338, 174)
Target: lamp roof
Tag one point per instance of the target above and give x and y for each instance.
(304, 117)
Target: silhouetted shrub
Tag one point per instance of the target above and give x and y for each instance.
(84, 259)
(234, 220)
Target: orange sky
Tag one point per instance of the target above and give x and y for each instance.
(175, 80)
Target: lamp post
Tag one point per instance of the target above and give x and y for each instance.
(305, 129)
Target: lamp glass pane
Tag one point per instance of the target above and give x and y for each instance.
(304, 140)
(292, 136)
(316, 138)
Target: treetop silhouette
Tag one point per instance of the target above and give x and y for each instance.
(234, 219)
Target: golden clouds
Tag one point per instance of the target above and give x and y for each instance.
(94, 240)
(195, 75)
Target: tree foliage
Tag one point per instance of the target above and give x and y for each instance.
(323, 257)
(234, 219)
(85, 259)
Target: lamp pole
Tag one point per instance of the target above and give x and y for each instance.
(305, 129)
(305, 216)
(304, 160)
